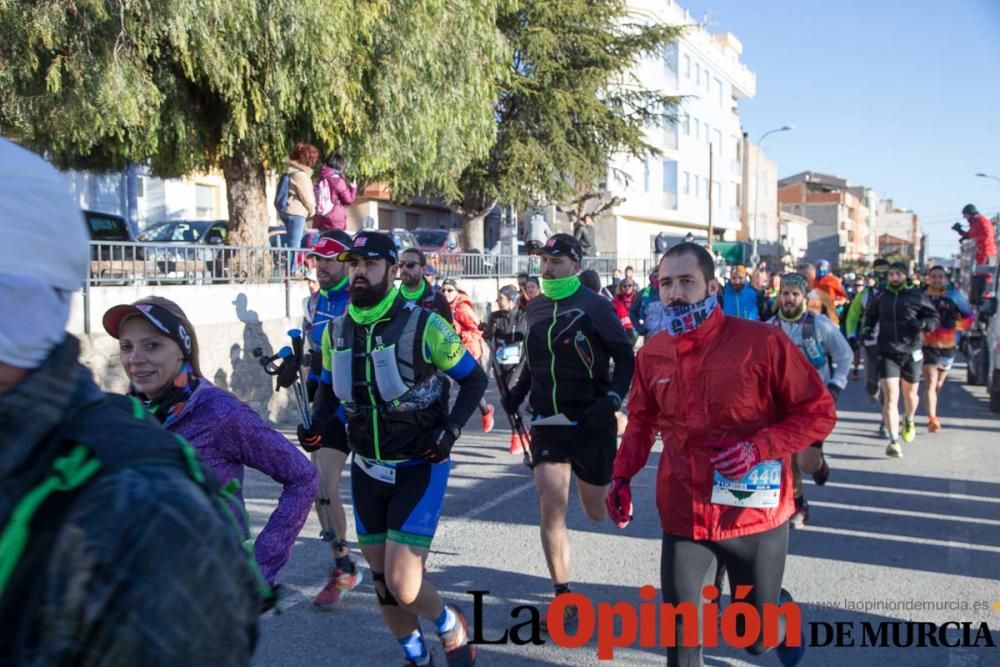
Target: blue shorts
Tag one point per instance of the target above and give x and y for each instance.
(399, 502)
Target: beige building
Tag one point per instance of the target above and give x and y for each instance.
(793, 233)
(899, 223)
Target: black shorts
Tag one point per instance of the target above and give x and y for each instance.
(335, 436)
(405, 510)
(901, 365)
(590, 453)
(943, 358)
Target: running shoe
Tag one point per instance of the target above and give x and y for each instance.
(488, 419)
(909, 431)
(933, 425)
(571, 618)
(821, 475)
(413, 663)
(790, 655)
(801, 516)
(883, 432)
(271, 601)
(337, 586)
(516, 443)
(894, 450)
(457, 650)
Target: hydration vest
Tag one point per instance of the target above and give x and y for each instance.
(402, 379)
(810, 344)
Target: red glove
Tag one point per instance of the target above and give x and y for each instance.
(619, 502)
(734, 461)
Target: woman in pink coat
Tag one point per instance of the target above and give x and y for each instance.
(332, 214)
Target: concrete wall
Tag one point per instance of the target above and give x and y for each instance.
(230, 322)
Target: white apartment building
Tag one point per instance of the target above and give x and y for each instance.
(671, 192)
(761, 199)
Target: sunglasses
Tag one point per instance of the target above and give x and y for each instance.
(628, 286)
(410, 265)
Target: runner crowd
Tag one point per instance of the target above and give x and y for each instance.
(395, 373)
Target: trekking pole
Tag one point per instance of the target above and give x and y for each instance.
(324, 506)
(516, 423)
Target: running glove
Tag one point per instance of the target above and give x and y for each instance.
(443, 443)
(734, 461)
(619, 501)
(310, 439)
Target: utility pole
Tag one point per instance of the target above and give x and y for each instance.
(710, 187)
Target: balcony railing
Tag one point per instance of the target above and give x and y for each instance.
(204, 264)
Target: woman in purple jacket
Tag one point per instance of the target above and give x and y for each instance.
(159, 352)
(342, 195)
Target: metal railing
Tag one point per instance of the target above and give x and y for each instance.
(118, 263)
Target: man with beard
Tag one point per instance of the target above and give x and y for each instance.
(328, 447)
(573, 335)
(855, 315)
(415, 286)
(732, 400)
(822, 343)
(901, 315)
(939, 345)
(739, 299)
(387, 356)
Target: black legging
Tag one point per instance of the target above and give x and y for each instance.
(687, 566)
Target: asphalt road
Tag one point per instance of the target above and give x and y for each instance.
(913, 539)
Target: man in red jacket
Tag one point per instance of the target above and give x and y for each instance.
(732, 400)
(980, 231)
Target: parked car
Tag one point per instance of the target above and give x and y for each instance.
(110, 261)
(442, 248)
(404, 238)
(185, 263)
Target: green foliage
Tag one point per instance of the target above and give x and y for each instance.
(405, 88)
(569, 103)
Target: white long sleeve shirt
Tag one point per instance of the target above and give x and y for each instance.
(830, 340)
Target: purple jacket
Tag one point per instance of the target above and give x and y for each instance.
(342, 195)
(228, 435)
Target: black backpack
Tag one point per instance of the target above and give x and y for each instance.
(79, 454)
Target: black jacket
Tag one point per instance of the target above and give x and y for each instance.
(126, 569)
(582, 335)
(902, 315)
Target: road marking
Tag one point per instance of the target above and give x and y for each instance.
(908, 540)
(913, 492)
(919, 515)
(499, 500)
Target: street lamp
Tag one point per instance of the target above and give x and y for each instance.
(756, 185)
(982, 175)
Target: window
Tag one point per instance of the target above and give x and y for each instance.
(687, 66)
(670, 64)
(697, 73)
(140, 186)
(718, 89)
(718, 194)
(717, 141)
(670, 183)
(708, 134)
(704, 186)
(697, 129)
(686, 183)
(204, 200)
(697, 187)
(669, 133)
(687, 124)
(645, 173)
(708, 81)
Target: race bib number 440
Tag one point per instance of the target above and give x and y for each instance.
(760, 488)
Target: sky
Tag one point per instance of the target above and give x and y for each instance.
(899, 96)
